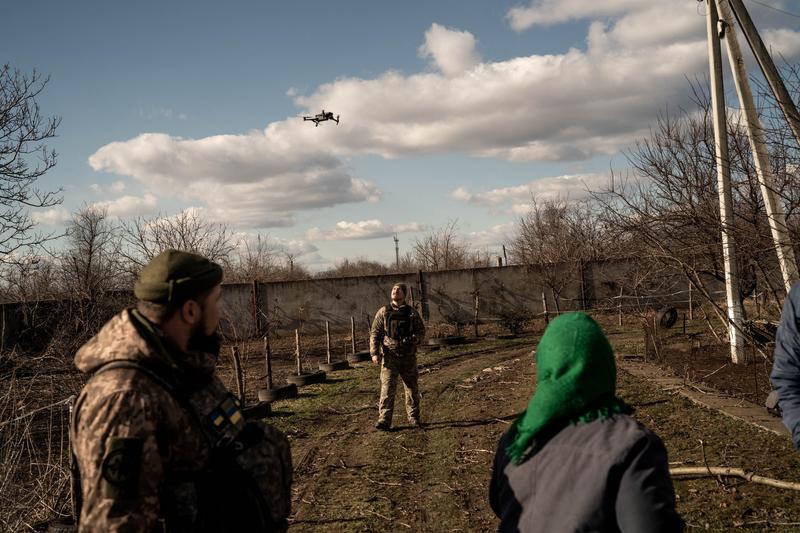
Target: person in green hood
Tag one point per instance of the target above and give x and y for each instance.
(576, 460)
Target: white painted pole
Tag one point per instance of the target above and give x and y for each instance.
(761, 159)
(724, 186)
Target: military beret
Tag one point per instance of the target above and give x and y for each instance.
(174, 276)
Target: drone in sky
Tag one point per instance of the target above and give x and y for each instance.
(322, 117)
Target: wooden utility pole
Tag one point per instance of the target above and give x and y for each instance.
(767, 66)
(724, 185)
(761, 159)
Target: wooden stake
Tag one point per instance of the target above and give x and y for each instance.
(297, 347)
(544, 309)
(477, 307)
(328, 339)
(237, 369)
(268, 356)
(353, 333)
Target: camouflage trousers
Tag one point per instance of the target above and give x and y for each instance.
(404, 367)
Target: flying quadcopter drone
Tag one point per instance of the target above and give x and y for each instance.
(322, 117)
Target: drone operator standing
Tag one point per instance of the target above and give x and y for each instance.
(396, 332)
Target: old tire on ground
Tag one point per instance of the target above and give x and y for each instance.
(666, 317)
(307, 378)
(447, 341)
(62, 525)
(359, 357)
(333, 366)
(257, 411)
(284, 392)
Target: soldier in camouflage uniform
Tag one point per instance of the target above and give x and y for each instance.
(396, 332)
(159, 443)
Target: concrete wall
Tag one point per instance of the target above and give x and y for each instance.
(504, 293)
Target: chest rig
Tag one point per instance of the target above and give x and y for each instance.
(399, 326)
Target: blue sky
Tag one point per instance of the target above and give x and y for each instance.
(453, 109)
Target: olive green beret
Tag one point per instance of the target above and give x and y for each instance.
(174, 276)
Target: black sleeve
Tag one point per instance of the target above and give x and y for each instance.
(499, 490)
(646, 498)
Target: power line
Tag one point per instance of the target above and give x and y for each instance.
(775, 8)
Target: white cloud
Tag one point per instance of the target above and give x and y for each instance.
(257, 179)
(517, 198)
(567, 106)
(563, 106)
(54, 216)
(548, 12)
(129, 205)
(451, 51)
(364, 229)
(492, 237)
(116, 187)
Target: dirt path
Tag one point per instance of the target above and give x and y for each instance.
(350, 477)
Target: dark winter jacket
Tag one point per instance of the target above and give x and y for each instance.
(786, 366)
(605, 475)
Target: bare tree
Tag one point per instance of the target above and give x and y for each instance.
(89, 264)
(668, 205)
(360, 266)
(442, 249)
(556, 235)
(24, 158)
(144, 238)
(254, 260)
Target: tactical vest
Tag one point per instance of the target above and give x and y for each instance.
(230, 494)
(399, 325)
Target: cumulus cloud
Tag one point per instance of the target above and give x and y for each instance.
(129, 205)
(296, 247)
(54, 216)
(548, 12)
(257, 179)
(571, 105)
(451, 51)
(364, 229)
(116, 187)
(492, 237)
(517, 198)
(567, 106)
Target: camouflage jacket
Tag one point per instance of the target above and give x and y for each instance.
(159, 454)
(396, 331)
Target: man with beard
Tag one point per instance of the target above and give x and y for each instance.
(159, 443)
(395, 334)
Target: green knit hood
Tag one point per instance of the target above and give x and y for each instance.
(575, 380)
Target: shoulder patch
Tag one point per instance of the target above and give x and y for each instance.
(121, 467)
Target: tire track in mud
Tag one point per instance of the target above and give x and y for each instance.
(350, 477)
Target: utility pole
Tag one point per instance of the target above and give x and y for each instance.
(767, 66)
(761, 159)
(724, 186)
(396, 252)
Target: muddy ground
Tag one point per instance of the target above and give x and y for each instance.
(350, 477)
